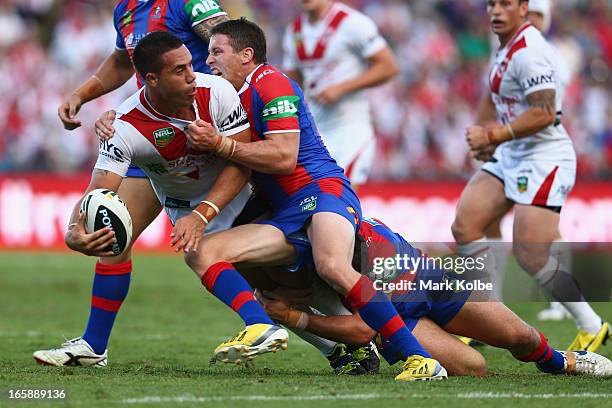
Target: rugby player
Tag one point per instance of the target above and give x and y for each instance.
(305, 188)
(191, 21)
(196, 187)
(335, 53)
(532, 170)
(431, 310)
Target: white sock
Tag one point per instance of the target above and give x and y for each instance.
(556, 279)
(482, 250)
(326, 300)
(501, 251)
(325, 346)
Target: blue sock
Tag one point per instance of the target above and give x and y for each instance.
(546, 358)
(378, 312)
(224, 281)
(110, 287)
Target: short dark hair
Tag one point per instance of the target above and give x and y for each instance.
(243, 34)
(148, 51)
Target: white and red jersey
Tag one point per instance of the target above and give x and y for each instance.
(180, 175)
(330, 51)
(527, 64)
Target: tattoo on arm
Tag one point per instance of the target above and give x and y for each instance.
(544, 100)
(202, 29)
(102, 172)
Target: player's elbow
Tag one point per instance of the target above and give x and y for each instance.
(286, 165)
(545, 118)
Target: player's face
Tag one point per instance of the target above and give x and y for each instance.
(506, 16)
(176, 80)
(224, 61)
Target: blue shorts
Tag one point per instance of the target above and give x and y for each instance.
(134, 171)
(333, 195)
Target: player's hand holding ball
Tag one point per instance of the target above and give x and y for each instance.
(95, 244)
(187, 233)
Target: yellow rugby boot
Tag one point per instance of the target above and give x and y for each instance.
(418, 368)
(254, 340)
(585, 341)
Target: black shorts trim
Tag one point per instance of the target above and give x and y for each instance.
(494, 175)
(556, 209)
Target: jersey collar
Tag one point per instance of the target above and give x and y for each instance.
(148, 107)
(524, 27)
(247, 81)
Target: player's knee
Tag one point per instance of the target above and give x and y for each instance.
(531, 257)
(522, 337)
(116, 260)
(460, 230)
(331, 268)
(474, 365)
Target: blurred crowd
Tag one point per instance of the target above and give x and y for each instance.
(47, 47)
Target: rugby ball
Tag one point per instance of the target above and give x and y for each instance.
(104, 208)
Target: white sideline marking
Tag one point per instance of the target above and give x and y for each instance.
(470, 395)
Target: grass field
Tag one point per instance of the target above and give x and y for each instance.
(169, 325)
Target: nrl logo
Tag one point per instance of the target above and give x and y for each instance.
(309, 204)
(163, 136)
(521, 183)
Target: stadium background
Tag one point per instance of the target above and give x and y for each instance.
(47, 47)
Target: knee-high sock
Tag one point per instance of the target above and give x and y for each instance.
(324, 345)
(556, 280)
(326, 300)
(481, 249)
(546, 358)
(223, 281)
(378, 312)
(110, 287)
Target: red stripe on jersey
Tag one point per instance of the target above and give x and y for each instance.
(203, 100)
(241, 299)
(499, 74)
(157, 16)
(541, 196)
(321, 45)
(106, 304)
(332, 186)
(391, 326)
(295, 181)
(269, 87)
(117, 269)
(176, 147)
(210, 277)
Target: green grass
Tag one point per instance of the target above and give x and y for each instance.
(169, 326)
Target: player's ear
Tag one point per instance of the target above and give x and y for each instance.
(524, 8)
(151, 79)
(246, 55)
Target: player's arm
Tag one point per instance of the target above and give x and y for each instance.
(76, 238)
(203, 29)
(349, 329)
(485, 112)
(110, 75)
(382, 67)
(290, 61)
(188, 230)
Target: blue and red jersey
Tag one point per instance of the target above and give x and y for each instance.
(133, 19)
(275, 104)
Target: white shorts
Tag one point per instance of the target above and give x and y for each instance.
(353, 147)
(544, 183)
(226, 217)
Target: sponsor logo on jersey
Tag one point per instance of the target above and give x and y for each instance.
(281, 107)
(127, 18)
(156, 168)
(309, 203)
(176, 203)
(539, 80)
(521, 184)
(564, 190)
(163, 136)
(157, 13)
(202, 9)
(108, 149)
(236, 119)
(263, 74)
